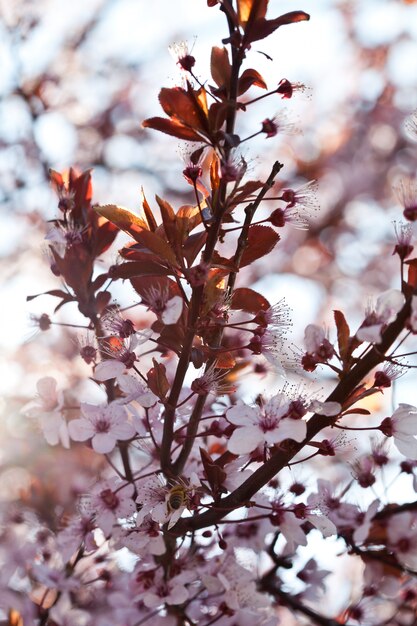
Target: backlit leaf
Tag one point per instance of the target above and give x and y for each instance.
(250, 78)
(172, 127)
(122, 218)
(220, 66)
(261, 240)
(248, 300)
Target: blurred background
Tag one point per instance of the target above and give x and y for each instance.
(77, 79)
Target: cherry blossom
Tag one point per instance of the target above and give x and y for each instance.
(402, 426)
(104, 425)
(406, 191)
(301, 203)
(47, 409)
(267, 424)
(121, 358)
(388, 304)
(319, 348)
(147, 538)
(402, 536)
(167, 308)
(135, 391)
(108, 501)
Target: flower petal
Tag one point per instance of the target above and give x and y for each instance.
(123, 431)
(80, 429)
(172, 311)
(103, 442)
(110, 368)
(245, 440)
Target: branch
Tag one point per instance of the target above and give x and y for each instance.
(267, 585)
(315, 424)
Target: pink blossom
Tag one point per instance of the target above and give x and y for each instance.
(364, 522)
(109, 501)
(146, 539)
(168, 309)
(319, 348)
(312, 576)
(115, 324)
(104, 425)
(136, 391)
(65, 614)
(47, 410)
(172, 591)
(301, 203)
(121, 358)
(387, 306)
(402, 425)
(155, 499)
(406, 191)
(402, 537)
(235, 584)
(267, 424)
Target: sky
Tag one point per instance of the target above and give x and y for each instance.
(137, 34)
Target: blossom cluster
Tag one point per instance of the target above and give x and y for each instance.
(194, 499)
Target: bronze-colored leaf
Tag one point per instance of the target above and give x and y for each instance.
(261, 240)
(263, 28)
(172, 127)
(248, 300)
(138, 268)
(187, 107)
(343, 334)
(122, 218)
(157, 380)
(250, 78)
(253, 9)
(148, 212)
(220, 66)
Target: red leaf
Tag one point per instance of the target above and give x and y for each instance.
(261, 240)
(122, 218)
(172, 233)
(99, 281)
(148, 213)
(105, 234)
(343, 334)
(251, 9)
(188, 107)
(172, 127)
(57, 180)
(217, 115)
(193, 245)
(242, 193)
(263, 28)
(102, 300)
(157, 245)
(58, 293)
(412, 272)
(215, 475)
(157, 380)
(81, 186)
(220, 66)
(138, 268)
(248, 79)
(248, 300)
